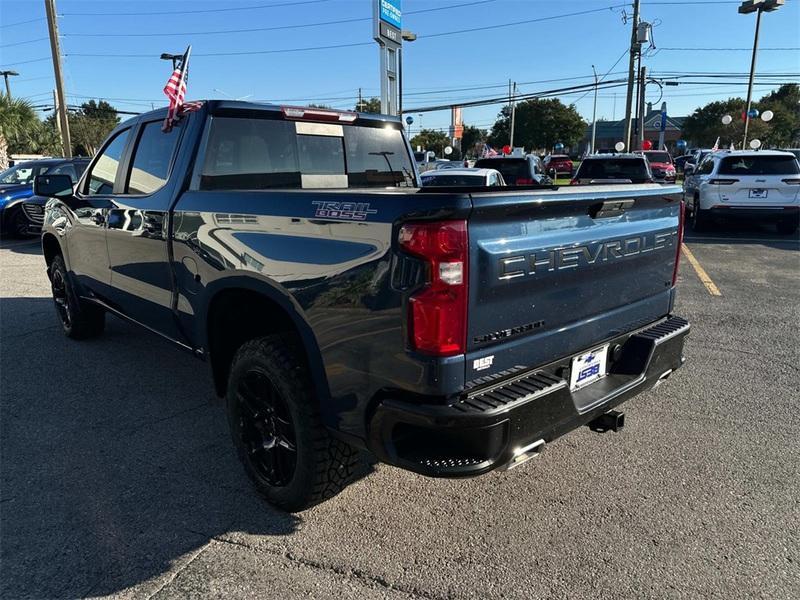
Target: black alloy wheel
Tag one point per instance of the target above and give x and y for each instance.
(58, 284)
(266, 429)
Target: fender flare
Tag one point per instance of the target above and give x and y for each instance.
(276, 293)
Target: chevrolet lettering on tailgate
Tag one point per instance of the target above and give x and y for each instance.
(574, 257)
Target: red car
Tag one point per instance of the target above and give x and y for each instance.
(560, 162)
(661, 165)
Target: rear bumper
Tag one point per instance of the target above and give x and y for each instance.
(759, 214)
(486, 428)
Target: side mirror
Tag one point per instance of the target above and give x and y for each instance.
(53, 186)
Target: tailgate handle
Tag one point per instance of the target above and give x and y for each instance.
(609, 208)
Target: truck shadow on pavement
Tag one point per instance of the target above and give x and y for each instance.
(116, 460)
(737, 232)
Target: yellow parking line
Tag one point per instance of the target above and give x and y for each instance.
(701, 272)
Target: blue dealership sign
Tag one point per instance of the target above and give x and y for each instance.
(390, 12)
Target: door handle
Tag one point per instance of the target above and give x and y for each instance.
(98, 218)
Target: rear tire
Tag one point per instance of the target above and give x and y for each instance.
(787, 227)
(79, 319)
(287, 453)
(700, 219)
(17, 223)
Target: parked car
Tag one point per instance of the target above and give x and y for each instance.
(661, 165)
(339, 306)
(613, 168)
(525, 170)
(759, 186)
(16, 184)
(462, 177)
(560, 163)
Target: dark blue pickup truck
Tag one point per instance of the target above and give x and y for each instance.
(449, 331)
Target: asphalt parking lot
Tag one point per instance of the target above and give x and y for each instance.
(118, 477)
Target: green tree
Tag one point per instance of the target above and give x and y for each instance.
(18, 122)
(373, 105)
(783, 131)
(90, 125)
(472, 140)
(428, 139)
(705, 125)
(539, 124)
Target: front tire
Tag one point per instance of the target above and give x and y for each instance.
(79, 319)
(276, 427)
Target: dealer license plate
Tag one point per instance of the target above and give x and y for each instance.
(758, 193)
(588, 368)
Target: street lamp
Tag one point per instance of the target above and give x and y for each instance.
(6, 75)
(758, 7)
(594, 111)
(173, 57)
(407, 36)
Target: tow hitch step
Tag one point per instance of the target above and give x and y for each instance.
(613, 420)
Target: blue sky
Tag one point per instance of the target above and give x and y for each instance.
(561, 49)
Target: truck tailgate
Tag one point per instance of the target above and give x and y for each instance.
(554, 272)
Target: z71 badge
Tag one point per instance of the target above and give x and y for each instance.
(354, 211)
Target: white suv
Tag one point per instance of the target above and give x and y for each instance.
(755, 185)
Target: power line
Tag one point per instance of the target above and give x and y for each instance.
(192, 12)
(722, 49)
(370, 43)
(21, 23)
(25, 62)
(21, 43)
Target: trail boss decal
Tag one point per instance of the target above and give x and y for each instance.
(354, 211)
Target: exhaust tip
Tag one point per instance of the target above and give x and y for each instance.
(524, 454)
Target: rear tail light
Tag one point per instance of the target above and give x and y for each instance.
(575, 182)
(524, 181)
(723, 181)
(437, 314)
(791, 181)
(681, 221)
(318, 114)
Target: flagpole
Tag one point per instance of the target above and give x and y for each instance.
(185, 65)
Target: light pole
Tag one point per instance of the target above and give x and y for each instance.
(6, 75)
(594, 112)
(747, 7)
(407, 36)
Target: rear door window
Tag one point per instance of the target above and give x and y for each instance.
(510, 168)
(104, 171)
(759, 165)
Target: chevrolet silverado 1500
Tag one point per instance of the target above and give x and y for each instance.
(341, 307)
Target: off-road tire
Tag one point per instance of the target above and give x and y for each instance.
(79, 319)
(323, 465)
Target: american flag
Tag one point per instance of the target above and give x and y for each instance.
(175, 90)
(488, 151)
(716, 145)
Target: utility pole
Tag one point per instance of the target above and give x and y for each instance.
(358, 106)
(513, 115)
(55, 114)
(634, 52)
(594, 112)
(52, 25)
(6, 75)
(642, 103)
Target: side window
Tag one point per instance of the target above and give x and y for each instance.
(104, 172)
(151, 159)
(706, 167)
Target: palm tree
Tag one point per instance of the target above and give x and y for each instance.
(18, 121)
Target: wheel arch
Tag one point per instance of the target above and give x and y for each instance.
(51, 248)
(261, 308)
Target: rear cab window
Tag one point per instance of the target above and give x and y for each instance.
(510, 168)
(255, 153)
(634, 169)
